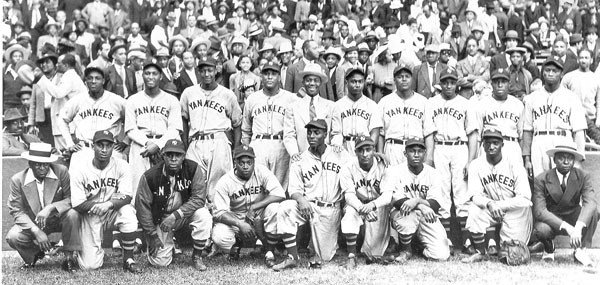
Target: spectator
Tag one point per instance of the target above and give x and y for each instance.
(10, 80)
(520, 77)
(471, 68)
(243, 78)
(97, 13)
(381, 74)
(569, 12)
(14, 140)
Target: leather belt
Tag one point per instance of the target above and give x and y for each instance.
(551, 133)
(350, 138)
(451, 142)
(199, 136)
(154, 136)
(510, 139)
(395, 141)
(269, 137)
(325, 204)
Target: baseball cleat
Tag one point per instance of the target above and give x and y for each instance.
(234, 254)
(289, 262)
(581, 256)
(198, 263)
(69, 265)
(270, 259)
(548, 257)
(477, 257)
(404, 256)
(492, 250)
(536, 247)
(31, 265)
(131, 266)
(350, 263)
(176, 248)
(315, 263)
(116, 244)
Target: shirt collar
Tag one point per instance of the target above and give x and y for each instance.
(560, 176)
(30, 178)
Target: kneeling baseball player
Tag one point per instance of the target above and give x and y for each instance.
(501, 196)
(366, 204)
(101, 194)
(171, 195)
(246, 203)
(417, 187)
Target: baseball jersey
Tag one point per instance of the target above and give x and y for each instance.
(352, 118)
(506, 183)
(586, 85)
(264, 115)
(91, 184)
(145, 115)
(405, 118)
(210, 111)
(89, 115)
(406, 185)
(365, 185)
(503, 115)
(559, 110)
(235, 195)
(454, 119)
(318, 178)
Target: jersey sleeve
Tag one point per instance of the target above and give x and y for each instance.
(376, 120)
(77, 188)
(522, 191)
(296, 184)
(125, 182)
(471, 123)
(527, 117)
(221, 200)
(428, 125)
(336, 125)
(391, 181)
(474, 186)
(577, 118)
(235, 111)
(247, 119)
(183, 102)
(271, 184)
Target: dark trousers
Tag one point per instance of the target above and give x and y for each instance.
(592, 131)
(544, 232)
(45, 128)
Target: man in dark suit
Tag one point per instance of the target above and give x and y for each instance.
(119, 79)
(568, 58)
(379, 13)
(502, 60)
(428, 73)
(457, 43)
(293, 78)
(564, 202)
(139, 10)
(189, 74)
(569, 13)
(321, 6)
(40, 203)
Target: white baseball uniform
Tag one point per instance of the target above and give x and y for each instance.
(352, 119)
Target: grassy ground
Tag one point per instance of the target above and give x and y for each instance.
(252, 271)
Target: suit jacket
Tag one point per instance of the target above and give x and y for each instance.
(481, 70)
(115, 84)
(533, 16)
(293, 80)
(458, 50)
(295, 120)
(574, 15)
(498, 61)
(325, 11)
(121, 20)
(516, 23)
(421, 81)
(138, 13)
(304, 35)
(549, 201)
(379, 15)
(13, 147)
(570, 63)
(184, 80)
(24, 201)
(534, 41)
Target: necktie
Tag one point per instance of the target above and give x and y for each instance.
(563, 185)
(312, 112)
(433, 76)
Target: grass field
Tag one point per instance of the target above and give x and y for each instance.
(251, 270)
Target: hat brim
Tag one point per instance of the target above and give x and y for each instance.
(284, 51)
(323, 77)
(411, 144)
(244, 154)
(270, 68)
(50, 159)
(168, 150)
(449, 76)
(555, 63)
(364, 143)
(578, 156)
(200, 42)
(13, 48)
(43, 58)
(179, 38)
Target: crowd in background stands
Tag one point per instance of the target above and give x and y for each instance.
(475, 37)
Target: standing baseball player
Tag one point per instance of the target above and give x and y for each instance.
(456, 145)
(151, 118)
(501, 195)
(210, 111)
(366, 204)
(171, 195)
(316, 196)
(101, 194)
(503, 112)
(101, 110)
(262, 124)
(552, 116)
(404, 114)
(354, 115)
(417, 188)
(246, 204)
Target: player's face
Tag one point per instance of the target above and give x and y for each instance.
(500, 86)
(312, 84)
(585, 60)
(244, 167)
(94, 81)
(39, 169)
(564, 162)
(355, 83)
(403, 80)
(270, 79)
(415, 155)
(551, 74)
(151, 77)
(173, 161)
(207, 74)
(448, 87)
(316, 137)
(492, 146)
(365, 154)
(103, 150)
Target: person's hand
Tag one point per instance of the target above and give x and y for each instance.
(371, 216)
(154, 244)
(120, 146)
(33, 130)
(151, 148)
(575, 235)
(366, 208)
(250, 214)
(101, 208)
(42, 216)
(408, 206)
(246, 230)
(75, 148)
(305, 209)
(176, 75)
(383, 157)
(168, 223)
(41, 239)
(296, 157)
(529, 168)
(37, 73)
(495, 211)
(466, 172)
(428, 213)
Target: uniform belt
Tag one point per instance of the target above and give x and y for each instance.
(395, 141)
(86, 143)
(451, 142)
(199, 136)
(350, 138)
(551, 133)
(510, 139)
(154, 136)
(269, 137)
(325, 204)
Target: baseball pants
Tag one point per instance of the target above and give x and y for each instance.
(138, 164)
(273, 155)
(516, 224)
(200, 222)
(539, 145)
(224, 236)
(432, 235)
(23, 241)
(543, 231)
(91, 255)
(377, 233)
(325, 224)
(214, 156)
(395, 153)
(450, 160)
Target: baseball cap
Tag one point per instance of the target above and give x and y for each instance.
(448, 73)
(317, 123)
(243, 150)
(492, 133)
(152, 64)
(271, 66)
(103, 136)
(91, 69)
(174, 145)
(554, 60)
(207, 61)
(402, 67)
(415, 141)
(352, 71)
(362, 141)
(501, 73)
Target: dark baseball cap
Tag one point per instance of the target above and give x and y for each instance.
(271, 66)
(352, 71)
(501, 73)
(448, 73)
(207, 61)
(415, 142)
(492, 133)
(555, 60)
(363, 141)
(103, 136)
(152, 64)
(91, 69)
(317, 123)
(243, 150)
(402, 67)
(174, 145)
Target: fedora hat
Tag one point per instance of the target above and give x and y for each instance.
(26, 89)
(114, 49)
(211, 20)
(337, 51)
(40, 152)
(568, 148)
(51, 22)
(50, 55)
(511, 34)
(199, 41)
(314, 69)
(278, 26)
(254, 30)
(16, 47)
(266, 47)
(164, 52)
(285, 46)
(239, 40)
(12, 114)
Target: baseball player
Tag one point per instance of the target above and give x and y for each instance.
(171, 195)
(417, 188)
(316, 195)
(503, 112)
(210, 111)
(404, 116)
(246, 204)
(456, 145)
(262, 124)
(552, 116)
(501, 195)
(366, 204)
(354, 115)
(101, 194)
(101, 110)
(151, 118)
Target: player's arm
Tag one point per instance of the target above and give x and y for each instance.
(527, 125)
(273, 187)
(429, 131)
(430, 145)
(79, 200)
(68, 113)
(522, 191)
(124, 195)
(184, 117)
(143, 207)
(246, 128)
(197, 198)
(289, 131)
(336, 127)
(347, 185)
(296, 189)
(131, 128)
(236, 120)
(475, 188)
(174, 124)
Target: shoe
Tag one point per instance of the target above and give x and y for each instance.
(350, 262)
(116, 244)
(198, 263)
(211, 251)
(38, 256)
(131, 266)
(536, 247)
(548, 257)
(289, 262)
(270, 259)
(492, 250)
(234, 254)
(176, 248)
(581, 256)
(404, 256)
(372, 260)
(470, 250)
(69, 265)
(315, 263)
(387, 259)
(477, 257)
